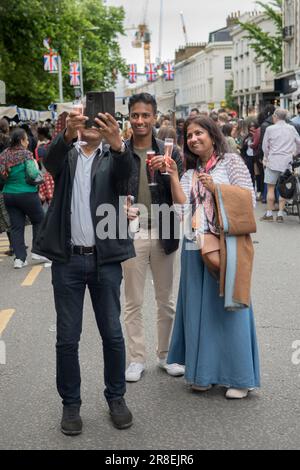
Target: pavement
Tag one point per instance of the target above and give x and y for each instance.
(167, 414)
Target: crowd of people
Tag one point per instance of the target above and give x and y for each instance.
(218, 168)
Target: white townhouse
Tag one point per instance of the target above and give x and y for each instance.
(288, 82)
(201, 79)
(253, 81)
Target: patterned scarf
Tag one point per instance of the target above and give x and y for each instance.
(13, 156)
(200, 196)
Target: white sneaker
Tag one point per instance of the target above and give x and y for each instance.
(176, 370)
(39, 258)
(134, 371)
(199, 388)
(233, 393)
(18, 263)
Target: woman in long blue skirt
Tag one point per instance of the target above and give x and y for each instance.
(216, 346)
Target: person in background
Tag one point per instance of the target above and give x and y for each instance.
(194, 112)
(127, 131)
(296, 119)
(247, 150)
(264, 119)
(4, 218)
(32, 141)
(20, 198)
(281, 142)
(227, 132)
(179, 131)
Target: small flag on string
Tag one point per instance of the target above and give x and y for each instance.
(74, 74)
(132, 74)
(169, 71)
(151, 72)
(51, 62)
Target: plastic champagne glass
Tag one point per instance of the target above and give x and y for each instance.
(78, 106)
(150, 155)
(169, 144)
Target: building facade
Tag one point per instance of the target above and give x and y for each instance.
(288, 82)
(253, 81)
(202, 79)
(203, 72)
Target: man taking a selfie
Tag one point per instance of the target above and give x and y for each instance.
(86, 177)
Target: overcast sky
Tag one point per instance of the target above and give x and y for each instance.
(201, 17)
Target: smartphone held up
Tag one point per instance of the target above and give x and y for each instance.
(99, 102)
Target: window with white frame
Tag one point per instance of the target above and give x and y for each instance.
(228, 62)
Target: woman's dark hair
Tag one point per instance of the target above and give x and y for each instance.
(44, 132)
(4, 134)
(227, 129)
(4, 126)
(215, 134)
(265, 113)
(145, 98)
(16, 137)
(253, 123)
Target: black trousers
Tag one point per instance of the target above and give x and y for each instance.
(18, 206)
(70, 281)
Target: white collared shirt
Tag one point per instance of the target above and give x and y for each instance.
(82, 228)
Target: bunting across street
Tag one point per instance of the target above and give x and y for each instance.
(74, 74)
(132, 74)
(151, 72)
(51, 62)
(169, 71)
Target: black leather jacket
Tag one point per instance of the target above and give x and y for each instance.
(109, 170)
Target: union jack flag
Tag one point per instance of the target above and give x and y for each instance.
(132, 73)
(74, 74)
(151, 72)
(51, 62)
(169, 71)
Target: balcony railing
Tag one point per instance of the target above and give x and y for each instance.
(288, 32)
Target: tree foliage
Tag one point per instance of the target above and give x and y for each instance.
(68, 23)
(267, 47)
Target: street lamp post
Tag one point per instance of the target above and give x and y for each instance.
(80, 70)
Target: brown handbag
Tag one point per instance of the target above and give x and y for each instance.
(210, 252)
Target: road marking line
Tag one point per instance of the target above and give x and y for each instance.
(2, 255)
(31, 276)
(5, 316)
(4, 243)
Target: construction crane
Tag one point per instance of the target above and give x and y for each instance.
(184, 28)
(143, 36)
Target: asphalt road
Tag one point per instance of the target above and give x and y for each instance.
(167, 415)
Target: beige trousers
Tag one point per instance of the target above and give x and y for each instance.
(148, 253)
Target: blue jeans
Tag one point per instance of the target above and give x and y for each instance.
(69, 283)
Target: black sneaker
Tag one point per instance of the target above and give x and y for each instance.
(71, 423)
(120, 414)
